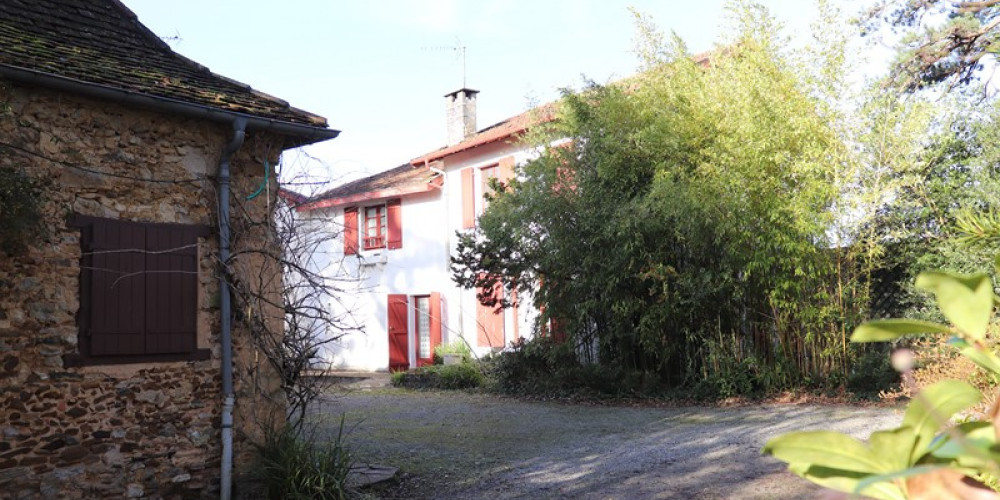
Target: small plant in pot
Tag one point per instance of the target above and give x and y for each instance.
(455, 352)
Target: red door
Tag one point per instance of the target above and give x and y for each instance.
(399, 345)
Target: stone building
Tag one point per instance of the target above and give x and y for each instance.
(115, 333)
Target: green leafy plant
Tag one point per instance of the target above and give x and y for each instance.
(457, 347)
(460, 376)
(292, 467)
(927, 456)
(20, 209)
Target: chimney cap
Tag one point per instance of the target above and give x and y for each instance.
(466, 90)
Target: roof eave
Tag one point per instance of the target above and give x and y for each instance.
(306, 134)
(340, 201)
(451, 150)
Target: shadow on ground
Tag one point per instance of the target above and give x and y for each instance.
(455, 445)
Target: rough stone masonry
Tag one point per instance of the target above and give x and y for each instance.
(141, 430)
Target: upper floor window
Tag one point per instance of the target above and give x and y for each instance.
(375, 229)
(474, 194)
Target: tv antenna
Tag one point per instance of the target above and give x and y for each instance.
(458, 49)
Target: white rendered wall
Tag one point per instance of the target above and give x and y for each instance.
(420, 267)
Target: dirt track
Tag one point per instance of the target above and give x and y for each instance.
(458, 446)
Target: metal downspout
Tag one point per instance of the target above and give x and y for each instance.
(225, 306)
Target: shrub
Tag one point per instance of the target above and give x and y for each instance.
(457, 346)
(292, 467)
(871, 373)
(461, 376)
(20, 209)
(545, 367)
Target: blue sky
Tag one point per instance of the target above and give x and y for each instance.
(378, 70)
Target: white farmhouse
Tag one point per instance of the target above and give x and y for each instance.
(398, 234)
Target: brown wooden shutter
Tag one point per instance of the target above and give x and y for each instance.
(171, 289)
(115, 293)
(351, 231)
(468, 199)
(394, 223)
(399, 335)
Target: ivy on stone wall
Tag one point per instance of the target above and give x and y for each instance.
(20, 209)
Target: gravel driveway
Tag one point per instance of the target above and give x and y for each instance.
(453, 445)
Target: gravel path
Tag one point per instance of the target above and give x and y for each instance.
(455, 445)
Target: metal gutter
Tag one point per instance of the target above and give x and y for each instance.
(308, 133)
(225, 306)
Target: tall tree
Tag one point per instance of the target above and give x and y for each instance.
(684, 229)
(940, 40)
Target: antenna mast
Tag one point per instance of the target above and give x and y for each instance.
(459, 51)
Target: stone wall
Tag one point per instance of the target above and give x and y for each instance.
(115, 431)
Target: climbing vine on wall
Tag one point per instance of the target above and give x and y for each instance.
(20, 209)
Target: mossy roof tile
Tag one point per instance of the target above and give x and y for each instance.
(102, 42)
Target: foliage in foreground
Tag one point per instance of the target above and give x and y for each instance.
(292, 467)
(926, 457)
(464, 375)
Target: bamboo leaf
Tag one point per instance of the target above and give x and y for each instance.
(966, 300)
(825, 449)
(984, 358)
(866, 485)
(893, 447)
(847, 481)
(974, 446)
(891, 329)
(933, 407)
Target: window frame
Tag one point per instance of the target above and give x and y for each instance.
(85, 351)
(419, 334)
(381, 228)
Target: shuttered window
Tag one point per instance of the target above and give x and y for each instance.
(373, 227)
(138, 291)
(374, 230)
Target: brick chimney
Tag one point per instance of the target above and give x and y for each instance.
(460, 106)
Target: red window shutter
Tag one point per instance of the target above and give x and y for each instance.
(558, 330)
(436, 320)
(468, 199)
(506, 169)
(394, 224)
(490, 322)
(351, 231)
(513, 299)
(171, 289)
(399, 345)
(115, 299)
